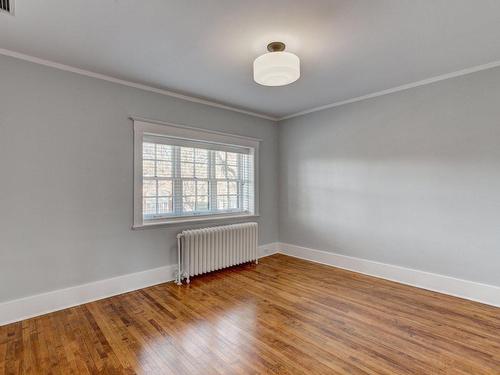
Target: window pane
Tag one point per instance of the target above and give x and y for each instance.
(148, 150)
(233, 187)
(149, 188)
(164, 169)
(164, 205)
(187, 154)
(246, 167)
(232, 158)
(220, 171)
(220, 157)
(187, 170)
(202, 187)
(201, 203)
(164, 187)
(201, 170)
(149, 206)
(222, 202)
(205, 188)
(233, 201)
(232, 172)
(201, 155)
(163, 152)
(221, 187)
(188, 188)
(188, 204)
(148, 168)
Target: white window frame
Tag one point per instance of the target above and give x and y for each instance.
(153, 127)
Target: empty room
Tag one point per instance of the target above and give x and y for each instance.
(250, 187)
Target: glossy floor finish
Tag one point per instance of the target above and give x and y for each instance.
(283, 316)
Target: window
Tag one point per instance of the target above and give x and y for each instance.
(186, 174)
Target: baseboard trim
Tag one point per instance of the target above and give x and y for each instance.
(268, 249)
(484, 293)
(44, 303)
(40, 304)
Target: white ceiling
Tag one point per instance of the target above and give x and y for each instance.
(348, 48)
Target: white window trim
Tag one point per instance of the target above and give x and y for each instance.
(142, 126)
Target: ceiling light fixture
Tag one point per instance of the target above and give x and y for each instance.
(277, 67)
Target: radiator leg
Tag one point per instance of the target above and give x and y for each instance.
(187, 280)
(256, 261)
(178, 279)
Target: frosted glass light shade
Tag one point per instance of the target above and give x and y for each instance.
(276, 69)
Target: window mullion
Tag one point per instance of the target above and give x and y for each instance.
(195, 190)
(195, 179)
(239, 190)
(177, 198)
(212, 188)
(157, 208)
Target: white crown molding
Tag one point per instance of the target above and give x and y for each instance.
(140, 86)
(407, 86)
(104, 77)
(471, 290)
(44, 303)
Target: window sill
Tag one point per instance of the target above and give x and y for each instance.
(193, 220)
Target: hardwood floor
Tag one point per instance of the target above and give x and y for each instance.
(284, 316)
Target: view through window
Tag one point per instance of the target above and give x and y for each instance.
(190, 180)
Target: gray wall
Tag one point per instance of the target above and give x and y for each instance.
(411, 178)
(66, 188)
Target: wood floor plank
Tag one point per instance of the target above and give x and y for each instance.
(314, 308)
(283, 316)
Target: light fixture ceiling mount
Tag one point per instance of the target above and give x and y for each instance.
(276, 47)
(277, 67)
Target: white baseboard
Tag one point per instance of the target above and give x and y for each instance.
(28, 307)
(484, 293)
(268, 249)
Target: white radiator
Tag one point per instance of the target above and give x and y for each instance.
(209, 249)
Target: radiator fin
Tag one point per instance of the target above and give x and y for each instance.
(209, 249)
